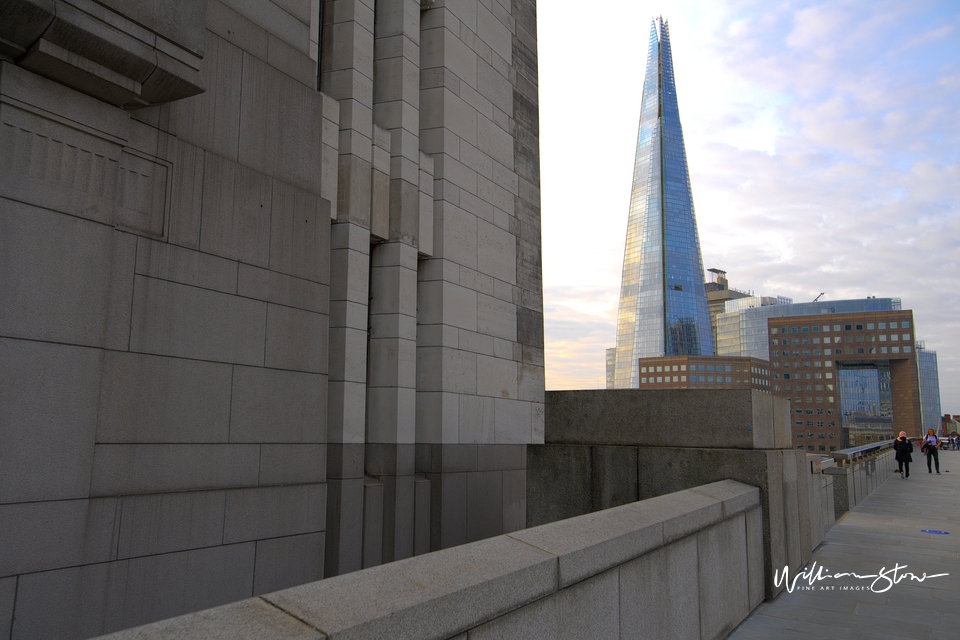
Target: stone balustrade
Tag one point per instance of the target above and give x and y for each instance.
(855, 477)
(686, 564)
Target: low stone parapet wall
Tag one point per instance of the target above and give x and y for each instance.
(685, 564)
(855, 480)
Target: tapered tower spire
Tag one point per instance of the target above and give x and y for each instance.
(663, 304)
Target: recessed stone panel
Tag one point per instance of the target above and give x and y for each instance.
(48, 414)
(147, 398)
(288, 562)
(121, 469)
(270, 512)
(178, 320)
(64, 279)
(165, 522)
(271, 405)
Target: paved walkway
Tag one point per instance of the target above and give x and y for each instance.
(881, 532)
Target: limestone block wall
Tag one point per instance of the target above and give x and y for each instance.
(270, 302)
(165, 278)
(436, 347)
(684, 565)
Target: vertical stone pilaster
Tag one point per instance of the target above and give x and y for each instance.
(391, 399)
(347, 76)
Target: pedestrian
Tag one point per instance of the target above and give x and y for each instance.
(903, 449)
(930, 446)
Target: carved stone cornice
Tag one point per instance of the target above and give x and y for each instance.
(128, 53)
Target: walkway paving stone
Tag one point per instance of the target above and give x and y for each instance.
(882, 532)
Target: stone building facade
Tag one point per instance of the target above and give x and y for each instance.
(270, 295)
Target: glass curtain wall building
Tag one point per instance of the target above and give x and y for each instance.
(663, 305)
(742, 328)
(929, 388)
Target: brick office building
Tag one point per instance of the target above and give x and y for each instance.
(704, 372)
(852, 378)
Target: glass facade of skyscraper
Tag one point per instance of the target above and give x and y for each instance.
(866, 404)
(663, 306)
(929, 389)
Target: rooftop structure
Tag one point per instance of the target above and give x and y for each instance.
(742, 328)
(718, 293)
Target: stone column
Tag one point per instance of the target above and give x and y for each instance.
(347, 76)
(391, 393)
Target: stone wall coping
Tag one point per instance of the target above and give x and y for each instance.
(446, 592)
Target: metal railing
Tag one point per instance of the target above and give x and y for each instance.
(858, 452)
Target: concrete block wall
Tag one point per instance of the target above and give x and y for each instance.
(684, 565)
(609, 447)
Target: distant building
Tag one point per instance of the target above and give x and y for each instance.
(718, 293)
(949, 425)
(870, 382)
(704, 372)
(851, 378)
(663, 305)
(742, 329)
(929, 388)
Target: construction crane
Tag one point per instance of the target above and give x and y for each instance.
(820, 296)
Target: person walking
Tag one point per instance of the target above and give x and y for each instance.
(930, 446)
(902, 450)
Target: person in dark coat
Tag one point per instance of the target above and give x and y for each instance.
(903, 449)
(931, 447)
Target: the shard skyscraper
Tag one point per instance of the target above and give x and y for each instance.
(663, 304)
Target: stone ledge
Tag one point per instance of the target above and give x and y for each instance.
(447, 592)
(736, 497)
(103, 53)
(434, 595)
(245, 620)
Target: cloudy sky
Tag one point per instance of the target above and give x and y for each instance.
(824, 148)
